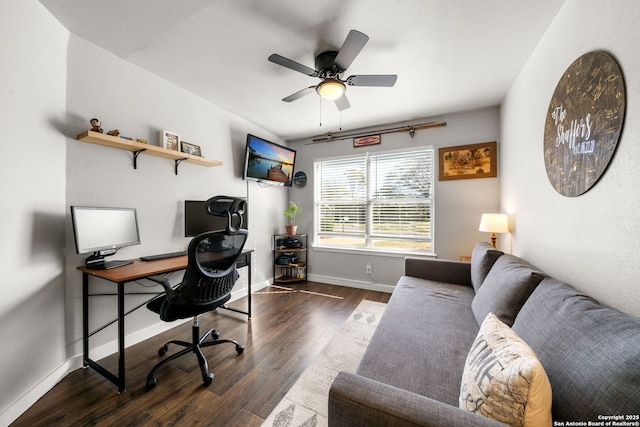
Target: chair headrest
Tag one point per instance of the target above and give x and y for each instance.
(230, 207)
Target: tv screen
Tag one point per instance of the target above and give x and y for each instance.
(198, 221)
(98, 229)
(268, 162)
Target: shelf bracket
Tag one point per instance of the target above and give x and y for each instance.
(178, 161)
(135, 157)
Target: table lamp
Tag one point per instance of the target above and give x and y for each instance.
(494, 223)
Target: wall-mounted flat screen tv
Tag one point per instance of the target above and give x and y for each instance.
(268, 162)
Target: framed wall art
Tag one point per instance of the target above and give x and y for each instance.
(468, 161)
(365, 141)
(169, 140)
(191, 149)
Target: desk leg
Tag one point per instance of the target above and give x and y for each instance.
(249, 285)
(121, 387)
(246, 263)
(85, 319)
(117, 380)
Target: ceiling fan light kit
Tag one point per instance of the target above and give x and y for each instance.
(331, 89)
(330, 66)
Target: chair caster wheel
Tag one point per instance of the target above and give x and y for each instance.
(163, 350)
(151, 383)
(215, 335)
(208, 379)
(239, 349)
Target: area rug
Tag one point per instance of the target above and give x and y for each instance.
(306, 403)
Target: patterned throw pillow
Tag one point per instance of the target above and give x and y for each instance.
(504, 380)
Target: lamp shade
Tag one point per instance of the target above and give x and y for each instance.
(331, 89)
(494, 223)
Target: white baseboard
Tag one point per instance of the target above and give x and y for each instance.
(351, 283)
(24, 402)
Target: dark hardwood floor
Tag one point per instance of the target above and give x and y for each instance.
(287, 331)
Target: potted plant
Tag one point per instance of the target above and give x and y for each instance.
(290, 213)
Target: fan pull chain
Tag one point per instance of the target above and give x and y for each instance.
(320, 105)
(340, 119)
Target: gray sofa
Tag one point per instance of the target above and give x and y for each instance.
(411, 372)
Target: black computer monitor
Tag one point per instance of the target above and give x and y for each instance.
(198, 221)
(102, 231)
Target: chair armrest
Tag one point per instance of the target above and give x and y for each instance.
(356, 401)
(166, 284)
(439, 270)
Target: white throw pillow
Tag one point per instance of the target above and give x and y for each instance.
(504, 380)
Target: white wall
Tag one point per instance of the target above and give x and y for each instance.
(32, 107)
(140, 104)
(589, 241)
(459, 203)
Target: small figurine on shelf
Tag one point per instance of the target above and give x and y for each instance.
(114, 132)
(95, 125)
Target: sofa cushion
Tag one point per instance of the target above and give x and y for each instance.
(504, 380)
(423, 339)
(483, 257)
(505, 289)
(590, 352)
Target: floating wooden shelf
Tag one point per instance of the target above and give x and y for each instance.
(137, 148)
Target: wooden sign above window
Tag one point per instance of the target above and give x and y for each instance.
(583, 123)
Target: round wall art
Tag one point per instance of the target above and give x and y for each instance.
(300, 179)
(584, 122)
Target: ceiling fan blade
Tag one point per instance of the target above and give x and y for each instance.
(342, 103)
(351, 47)
(300, 94)
(293, 65)
(380, 80)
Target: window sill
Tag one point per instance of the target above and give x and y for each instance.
(373, 252)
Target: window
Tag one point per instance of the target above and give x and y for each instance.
(381, 201)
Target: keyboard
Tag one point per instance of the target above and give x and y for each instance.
(163, 256)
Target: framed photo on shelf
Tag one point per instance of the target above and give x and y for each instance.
(468, 161)
(169, 140)
(191, 149)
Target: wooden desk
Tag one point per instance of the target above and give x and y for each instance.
(120, 276)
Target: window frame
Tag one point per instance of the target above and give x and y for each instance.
(370, 201)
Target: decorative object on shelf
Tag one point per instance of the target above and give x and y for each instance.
(468, 161)
(290, 242)
(291, 212)
(584, 122)
(364, 141)
(494, 223)
(141, 141)
(114, 132)
(95, 125)
(190, 148)
(300, 179)
(169, 140)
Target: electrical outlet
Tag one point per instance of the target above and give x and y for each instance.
(368, 270)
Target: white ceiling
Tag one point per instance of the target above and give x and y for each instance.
(449, 55)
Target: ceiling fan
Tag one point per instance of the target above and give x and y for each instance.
(330, 66)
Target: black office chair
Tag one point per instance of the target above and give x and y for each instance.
(210, 275)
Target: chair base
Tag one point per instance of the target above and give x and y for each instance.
(192, 347)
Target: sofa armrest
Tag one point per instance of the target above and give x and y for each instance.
(439, 270)
(356, 401)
